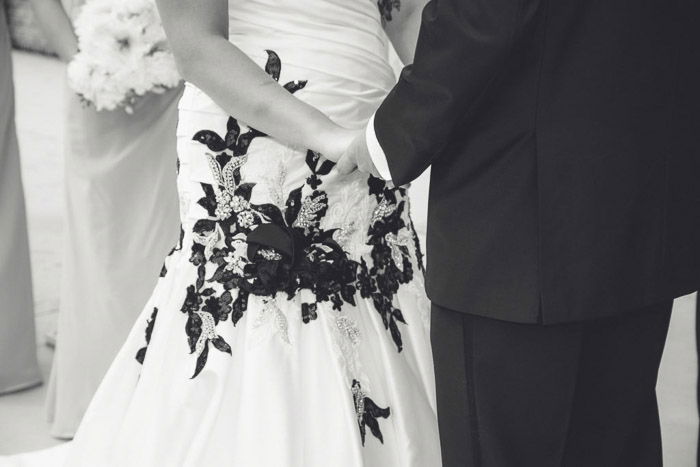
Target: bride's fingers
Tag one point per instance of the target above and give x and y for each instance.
(366, 165)
(346, 165)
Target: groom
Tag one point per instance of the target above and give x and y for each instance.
(564, 217)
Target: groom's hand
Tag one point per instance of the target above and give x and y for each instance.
(357, 157)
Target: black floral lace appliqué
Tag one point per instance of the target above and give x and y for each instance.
(389, 236)
(367, 412)
(176, 248)
(276, 250)
(141, 354)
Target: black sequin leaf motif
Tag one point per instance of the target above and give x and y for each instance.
(367, 412)
(273, 67)
(201, 360)
(382, 280)
(233, 140)
(417, 249)
(319, 166)
(208, 201)
(376, 186)
(239, 306)
(293, 205)
(308, 312)
(386, 8)
(294, 86)
(141, 354)
(177, 247)
(211, 140)
(219, 307)
(200, 329)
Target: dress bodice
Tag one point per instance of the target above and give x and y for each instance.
(337, 47)
(337, 37)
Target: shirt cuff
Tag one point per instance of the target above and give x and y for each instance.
(376, 153)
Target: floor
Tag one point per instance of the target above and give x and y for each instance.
(40, 91)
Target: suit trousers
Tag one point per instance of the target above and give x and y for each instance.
(579, 394)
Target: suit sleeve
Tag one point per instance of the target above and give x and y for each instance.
(462, 47)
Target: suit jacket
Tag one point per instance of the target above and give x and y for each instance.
(564, 140)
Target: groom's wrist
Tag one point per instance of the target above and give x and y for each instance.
(376, 153)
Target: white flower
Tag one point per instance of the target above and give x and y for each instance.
(123, 53)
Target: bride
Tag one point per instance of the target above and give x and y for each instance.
(290, 326)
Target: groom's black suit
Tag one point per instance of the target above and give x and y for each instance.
(564, 140)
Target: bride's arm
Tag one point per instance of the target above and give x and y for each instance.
(56, 27)
(198, 35)
(402, 19)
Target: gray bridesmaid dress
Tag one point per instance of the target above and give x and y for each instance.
(18, 363)
(121, 220)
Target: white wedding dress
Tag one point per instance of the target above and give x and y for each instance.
(290, 327)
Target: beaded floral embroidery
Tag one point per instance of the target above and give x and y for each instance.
(277, 250)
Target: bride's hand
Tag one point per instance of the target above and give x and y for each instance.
(334, 142)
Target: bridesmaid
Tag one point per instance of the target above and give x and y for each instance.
(18, 363)
(121, 220)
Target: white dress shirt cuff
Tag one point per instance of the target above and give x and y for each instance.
(376, 152)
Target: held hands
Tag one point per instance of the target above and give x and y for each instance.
(357, 157)
(349, 151)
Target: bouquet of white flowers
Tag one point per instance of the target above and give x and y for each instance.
(123, 54)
